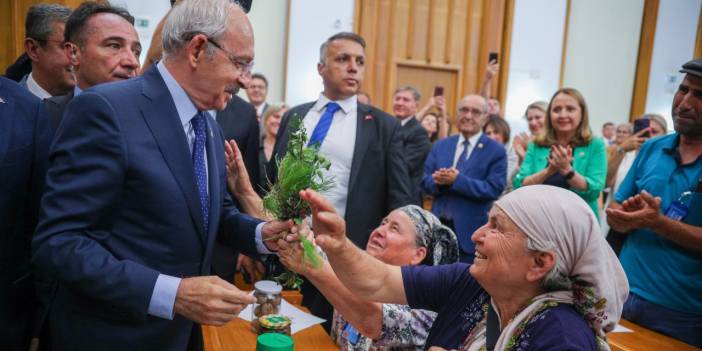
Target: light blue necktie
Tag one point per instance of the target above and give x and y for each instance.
(200, 127)
(322, 127)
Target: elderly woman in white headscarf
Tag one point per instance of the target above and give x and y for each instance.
(408, 235)
(543, 277)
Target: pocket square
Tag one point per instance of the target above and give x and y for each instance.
(368, 118)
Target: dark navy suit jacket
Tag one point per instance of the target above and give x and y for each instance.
(480, 181)
(121, 206)
(24, 143)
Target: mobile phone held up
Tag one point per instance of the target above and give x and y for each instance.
(492, 57)
(438, 91)
(641, 124)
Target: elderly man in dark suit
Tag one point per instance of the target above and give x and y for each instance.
(102, 46)
(24, 145)
(136, 196)
(363, 144)
(415, 139)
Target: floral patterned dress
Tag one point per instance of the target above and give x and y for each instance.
(403, 329)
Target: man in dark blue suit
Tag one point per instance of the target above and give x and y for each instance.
(136, 196)
(24, 144)
(465, 173)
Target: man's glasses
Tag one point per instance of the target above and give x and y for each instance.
(240, 64)
(471, 111)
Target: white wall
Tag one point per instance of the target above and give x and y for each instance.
(269, 21)
(534, 67)
(147, 14)
(673, 45)
(601, 55)
(311, 23)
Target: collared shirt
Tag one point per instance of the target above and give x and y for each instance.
(338, 146)
(404, 121)
(659, 270)
(259, 109)
(36, 89)
(166, 287)
(459, 147)
(77, 90)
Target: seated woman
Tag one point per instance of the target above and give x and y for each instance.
(407, 236)
(541, 266)
(566, 154)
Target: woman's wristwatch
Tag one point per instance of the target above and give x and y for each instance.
(570, 174)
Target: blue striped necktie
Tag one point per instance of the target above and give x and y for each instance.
(320, 131)
(200, 127)
(462, 158)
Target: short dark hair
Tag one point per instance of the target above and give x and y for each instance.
(75, 26)
(607, 124)
(415, 93)
(261, 77)
(500, 125)
(41, 17)
(340, 36)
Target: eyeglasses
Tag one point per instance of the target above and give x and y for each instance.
(241, 64)
(471, 111)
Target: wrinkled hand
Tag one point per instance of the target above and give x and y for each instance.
(445, 176)
(634, 142)
(210, 300)
(561, 158)
(639, 211)
(491, 70)
(329, 227)
(274, 230)
(290, 252)
(238, 181)
(254, 268)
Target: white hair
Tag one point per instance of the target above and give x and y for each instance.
(192, 17)
(555, 280)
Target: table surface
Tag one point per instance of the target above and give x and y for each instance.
(237, 335)
(643, 339)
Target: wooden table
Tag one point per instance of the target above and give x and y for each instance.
(237, 335)
(643, 339)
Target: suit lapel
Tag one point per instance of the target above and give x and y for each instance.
(159, 112)
(450, 153)
(364, 130)
(475, 153)
(7, 119)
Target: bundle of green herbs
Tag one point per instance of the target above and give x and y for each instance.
(301, 168)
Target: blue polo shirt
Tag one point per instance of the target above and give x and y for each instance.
(659, 270)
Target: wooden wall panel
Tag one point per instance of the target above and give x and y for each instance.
(698, 41)
(432, 42)
(643, 64)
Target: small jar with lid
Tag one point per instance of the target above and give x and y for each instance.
(274, 323)
(268, 300)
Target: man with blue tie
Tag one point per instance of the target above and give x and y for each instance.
(363, 144)
(465, 173)
(136, 196)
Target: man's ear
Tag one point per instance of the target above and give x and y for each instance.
(72, 53)
(320, 67)
(196, 49)
(540, 264)
(31, 46)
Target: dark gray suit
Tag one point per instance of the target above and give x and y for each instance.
(55, 106)
(417, 147)
(378, 182)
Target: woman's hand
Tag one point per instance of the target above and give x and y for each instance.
(329, 227)
(561, 158)
(521, 142)
(238, 181)
(634, 142)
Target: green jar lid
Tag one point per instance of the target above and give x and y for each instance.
(274, 342)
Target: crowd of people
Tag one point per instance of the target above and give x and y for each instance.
(131, 196)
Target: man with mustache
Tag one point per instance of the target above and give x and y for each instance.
(363, 144)
(136, 196)
(102, 45)
(659, 205)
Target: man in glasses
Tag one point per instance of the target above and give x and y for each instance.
(136, 196)
(465, 173)
(51, 73)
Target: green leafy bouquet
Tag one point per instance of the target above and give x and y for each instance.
(301, 168)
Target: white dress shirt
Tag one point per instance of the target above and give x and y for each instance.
(472, 141)
(35, 89)
(337, 147)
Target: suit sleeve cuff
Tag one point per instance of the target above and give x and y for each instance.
(163, 297)
(260, 246)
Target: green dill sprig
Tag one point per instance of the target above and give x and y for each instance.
(301, 168)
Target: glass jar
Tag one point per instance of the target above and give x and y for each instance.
(274, 323)
(268, 300)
